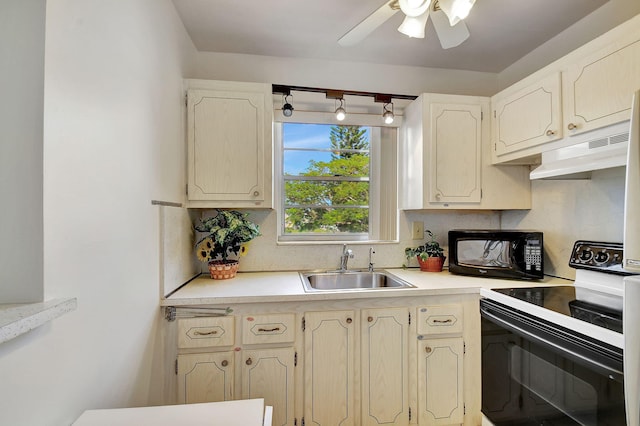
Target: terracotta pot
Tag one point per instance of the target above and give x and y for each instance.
(223, 269)
(431, 264)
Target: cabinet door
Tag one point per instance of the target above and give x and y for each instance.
(229, 145)
(329, 368)
(440, 381)
(205, 377)
(384, 366)
(455, 153)
(529, 117)
(268, 374)
(598, 89)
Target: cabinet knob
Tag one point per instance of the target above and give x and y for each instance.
(370, 319)
(428, 350)
(349, 320)
(249, 361)
(438, 196)
(225, 363)
(551, 132)
(572, 126)
(256, 193)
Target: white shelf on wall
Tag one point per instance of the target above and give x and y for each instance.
(17, 319)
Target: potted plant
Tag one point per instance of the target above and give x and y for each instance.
(227, 234)
(430, 255)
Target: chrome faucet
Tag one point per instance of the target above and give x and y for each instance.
(371, 252)
(344, 259)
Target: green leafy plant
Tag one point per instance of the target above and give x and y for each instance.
(226, 234)
(429, 249)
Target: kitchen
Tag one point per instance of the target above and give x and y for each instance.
(112, 134)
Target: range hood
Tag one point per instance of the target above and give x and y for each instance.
(600, 149)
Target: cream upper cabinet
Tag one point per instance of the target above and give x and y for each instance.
(329, 368)
(445, 160)
(229, 139)
(385, 366)
(599, 88)
(527, 117)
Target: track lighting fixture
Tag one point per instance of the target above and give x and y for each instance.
(387, 114)
(287, 108)
(341, 114)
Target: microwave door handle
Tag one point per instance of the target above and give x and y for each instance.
(531, 335)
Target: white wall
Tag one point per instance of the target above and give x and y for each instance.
(571, 210)
(21, 105)
(113, 141)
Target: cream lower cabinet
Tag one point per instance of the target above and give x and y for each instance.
(269, 374)
(329, 368)
(440, 384)
(332, 364)
(206, 377)
(385, 366)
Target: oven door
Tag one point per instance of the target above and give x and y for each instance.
(538, 373)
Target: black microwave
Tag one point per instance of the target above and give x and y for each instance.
(496, 253)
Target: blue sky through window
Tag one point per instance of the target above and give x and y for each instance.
(309, 136)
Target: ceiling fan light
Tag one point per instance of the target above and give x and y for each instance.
(414, 26)
(456, 10)
(414, 8)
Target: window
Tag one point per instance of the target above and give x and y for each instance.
(331, 185)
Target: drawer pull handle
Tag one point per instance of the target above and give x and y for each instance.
(269, 330)
(349, 320)
(205, 333)
(249, 361)
(225, 363)
(572, 126)
(436, 321)
(550, 132)
(427, 349)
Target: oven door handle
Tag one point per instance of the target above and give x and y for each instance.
(529, 334)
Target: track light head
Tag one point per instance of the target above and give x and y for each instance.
(341, 113)
(387, 114)
(287, 108)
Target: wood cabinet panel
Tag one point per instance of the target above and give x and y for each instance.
(205, 377)
(440, 386)
(269, 374)
(385, 366)
(599, 88)
(529, 117)
(329, 368)
(206, 332)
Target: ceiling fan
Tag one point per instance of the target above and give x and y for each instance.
(446, 15)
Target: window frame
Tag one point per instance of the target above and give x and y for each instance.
(375, 164)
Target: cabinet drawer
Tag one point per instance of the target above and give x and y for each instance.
(206, 332)
(444, 319)
(268, 329)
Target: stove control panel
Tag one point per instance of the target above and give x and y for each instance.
(597, 256)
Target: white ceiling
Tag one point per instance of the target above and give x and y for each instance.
(502, 31)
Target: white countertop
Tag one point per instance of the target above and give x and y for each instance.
(248, 412)
(251, 287)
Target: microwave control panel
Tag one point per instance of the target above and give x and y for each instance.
(533, 255)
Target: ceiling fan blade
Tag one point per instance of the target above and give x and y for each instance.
(449, 36)
(370, 23)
